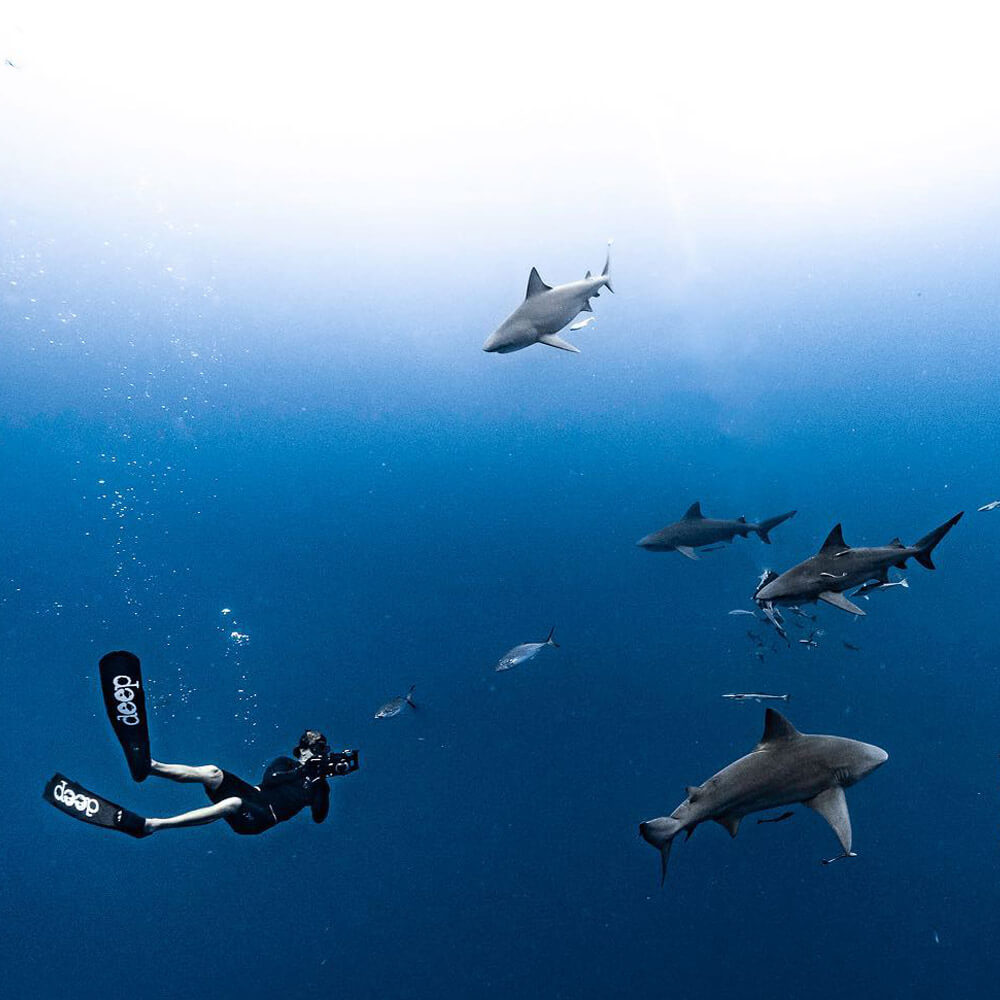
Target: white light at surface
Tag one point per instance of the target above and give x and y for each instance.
(446, 101)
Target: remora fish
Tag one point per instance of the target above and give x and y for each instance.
(524, 652)
(394, 707)
(838, 567)
(757, 696)
(776, 819)
(879, 585)
(546, 310)
(992, 505)
(695, 531)
(784, 768)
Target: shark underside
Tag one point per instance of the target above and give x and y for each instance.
(786, 767)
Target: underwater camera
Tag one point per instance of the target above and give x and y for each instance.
(336, 764)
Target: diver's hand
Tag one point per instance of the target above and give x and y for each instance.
(314, 768)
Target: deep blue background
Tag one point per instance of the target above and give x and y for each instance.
(379, 511)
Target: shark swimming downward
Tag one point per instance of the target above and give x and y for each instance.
(546, 310)
(785, 767)
(838, 567)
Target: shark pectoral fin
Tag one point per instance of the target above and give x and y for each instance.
(839, 601)
(731, 823)
(553, 340)
(686, 550)
(832, 806)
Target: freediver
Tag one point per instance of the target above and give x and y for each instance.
(287, 787)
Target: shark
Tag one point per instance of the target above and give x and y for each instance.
(838, 567)
(695, 531)
(546, 310)
(784, 768)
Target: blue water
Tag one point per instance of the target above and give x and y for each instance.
(376, 503)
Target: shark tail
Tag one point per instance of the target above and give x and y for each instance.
(660, 833)
(549, 641)
(772, 522)
(606, 273)
(926, 545)
(409, 698)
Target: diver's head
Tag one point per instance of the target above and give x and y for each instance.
(312, 743)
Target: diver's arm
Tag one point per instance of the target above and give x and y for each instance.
(289, 772)
(320, 804)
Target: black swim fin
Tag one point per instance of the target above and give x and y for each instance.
(125, 701)
(73, 799)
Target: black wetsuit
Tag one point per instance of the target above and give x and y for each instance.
(285, 789)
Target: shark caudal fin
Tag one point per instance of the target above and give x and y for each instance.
(660, 833)
(772, 522)
(549, 641)
(606, 273)
(927, 544)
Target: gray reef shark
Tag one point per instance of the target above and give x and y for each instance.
(546, 310)
(784, 768)
(694, 531)
(838, 567)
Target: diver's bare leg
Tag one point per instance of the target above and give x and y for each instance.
(196, 817)
(208, 775)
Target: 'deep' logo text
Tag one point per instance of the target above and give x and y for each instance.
(72, 799)
(125, 692)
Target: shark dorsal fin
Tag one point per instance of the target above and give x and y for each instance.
(587, 276)
(742, 519)
(535, 284)
(693, 513)
(835, 540)
(776, 727)
(896, 544)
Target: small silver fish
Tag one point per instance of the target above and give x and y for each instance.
(740, 611)
(394, 707)
(580, 324)
(811, 642)
(757, 696)
(992, 505)
(524, 652)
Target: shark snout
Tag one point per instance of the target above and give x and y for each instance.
(875, 757)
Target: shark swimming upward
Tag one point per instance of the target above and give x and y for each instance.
(838, 567)
(695, 531)
(785, 767)
(546, 310)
